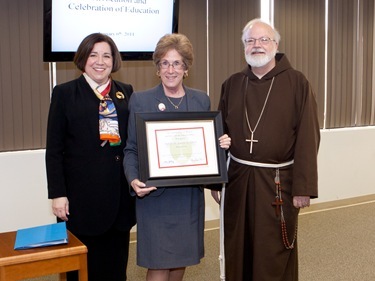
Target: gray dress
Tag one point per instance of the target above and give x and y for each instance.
(170, 220)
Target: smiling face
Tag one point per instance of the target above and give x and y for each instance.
(262, 52)
(172, 76)
(99, 63)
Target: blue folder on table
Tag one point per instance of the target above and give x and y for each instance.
(41, 236)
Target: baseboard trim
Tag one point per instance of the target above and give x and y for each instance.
(336, 204)
(133, 237)
(211, 224)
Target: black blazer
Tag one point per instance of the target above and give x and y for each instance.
(78, 167)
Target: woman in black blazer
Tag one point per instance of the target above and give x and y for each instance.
(86, 135)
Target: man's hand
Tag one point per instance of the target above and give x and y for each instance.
(301, 201)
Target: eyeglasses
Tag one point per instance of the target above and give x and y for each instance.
(178, 65)
(262, 41)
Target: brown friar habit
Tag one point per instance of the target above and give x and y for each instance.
(288, 130)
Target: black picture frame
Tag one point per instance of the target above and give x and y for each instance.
(168, 120)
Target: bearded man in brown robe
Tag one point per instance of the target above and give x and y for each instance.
(270, 113)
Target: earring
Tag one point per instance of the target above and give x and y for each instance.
(186, 74)
(158, 73)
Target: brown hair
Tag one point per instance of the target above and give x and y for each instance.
(178, 42)
(86, 46)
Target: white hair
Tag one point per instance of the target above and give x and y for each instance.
(250, 24)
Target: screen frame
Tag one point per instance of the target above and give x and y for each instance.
(62, 56)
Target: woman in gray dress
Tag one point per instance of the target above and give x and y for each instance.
(170, 220)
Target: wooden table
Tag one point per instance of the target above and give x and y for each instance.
(22, 264)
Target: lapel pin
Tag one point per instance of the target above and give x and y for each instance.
(120, 95)
(161, 106)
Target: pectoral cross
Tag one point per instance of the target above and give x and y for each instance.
(251, 140)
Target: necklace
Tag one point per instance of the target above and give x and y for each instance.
(175, 105)
(252, 131)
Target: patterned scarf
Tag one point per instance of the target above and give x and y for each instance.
(108, 122)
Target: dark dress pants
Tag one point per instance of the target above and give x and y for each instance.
(107, 256)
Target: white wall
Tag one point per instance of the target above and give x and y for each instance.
(23, 191)
(346, 170)
(346, 163)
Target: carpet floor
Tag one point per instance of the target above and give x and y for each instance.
(335, 244)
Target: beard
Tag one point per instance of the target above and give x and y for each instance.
(259, 60)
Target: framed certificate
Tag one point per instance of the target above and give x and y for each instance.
(182, 148)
